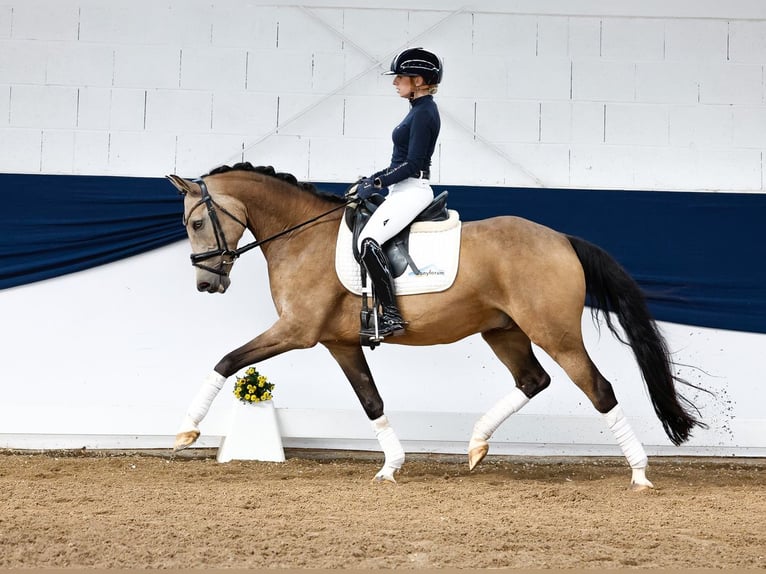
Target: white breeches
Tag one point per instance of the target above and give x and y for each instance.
(404, 202)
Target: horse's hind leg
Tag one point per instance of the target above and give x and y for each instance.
(570, 353)
(351, 359)
(514, 349)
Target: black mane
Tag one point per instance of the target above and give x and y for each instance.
(271, 172)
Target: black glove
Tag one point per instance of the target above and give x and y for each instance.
(365, 188)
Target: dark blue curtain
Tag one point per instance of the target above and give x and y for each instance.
(52, 225)
(699, 256)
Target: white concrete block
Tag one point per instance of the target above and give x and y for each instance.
(555, 122)
(700, 125)
(514, 36)
(245, 26)
(508, 120)
(749, 126)
(22, 62)
(93, 108)
(729, 169)
(636, 124)
(309, 115)
(464, 73)
(200, 153)
(584, 40)
(147, 22)
(279, 71)
(213, 68)
(179, 111)
(667, 82)
(731, 84)
(127, 109)
(80, 64)
(372, 117)
(5, 105)
(577, 122)
(327, 71)
(5, 22)
(20, 150)
(191, 22)
(43, 107)
(285, 153)
(381, 33)
(91, 152)
(747, 42)
(552, 37)
(146, 66)
(633, 39)
(343, 160)
(696, 40)
(604, 167)
(241, 112)
(295, 25)
(453, 34)
(488, 166)
(547, 163)
(362, 76)
(41, 20)
(147, 154)
(603, 81)
(458, 117)
(540, 78)
(57, 153)
(664, 168)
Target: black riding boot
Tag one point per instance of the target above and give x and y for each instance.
(390, 322)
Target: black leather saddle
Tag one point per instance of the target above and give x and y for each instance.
(397, 248)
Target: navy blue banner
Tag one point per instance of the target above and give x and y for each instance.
(698, 256)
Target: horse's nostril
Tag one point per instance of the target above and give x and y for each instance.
(203, 286)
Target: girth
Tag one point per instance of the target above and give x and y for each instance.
(397, 248)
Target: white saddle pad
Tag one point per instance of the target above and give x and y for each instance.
(434, 247)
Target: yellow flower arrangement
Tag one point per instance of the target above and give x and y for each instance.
(253, 387)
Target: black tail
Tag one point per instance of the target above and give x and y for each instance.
(611, 289)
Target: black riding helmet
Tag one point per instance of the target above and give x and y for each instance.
(417, 62)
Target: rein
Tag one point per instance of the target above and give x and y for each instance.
(223, 250)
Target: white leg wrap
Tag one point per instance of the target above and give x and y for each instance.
(626, 438)
(390, 445)
(504, 408)
(199, 407)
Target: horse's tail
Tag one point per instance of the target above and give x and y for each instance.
(611, 289)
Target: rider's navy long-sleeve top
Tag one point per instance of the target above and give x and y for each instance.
(414, 142)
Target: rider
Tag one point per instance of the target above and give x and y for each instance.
(417, 75)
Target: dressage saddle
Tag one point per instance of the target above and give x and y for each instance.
(397, 248)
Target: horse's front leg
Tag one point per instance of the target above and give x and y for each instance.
(273, 342)
(351, 359)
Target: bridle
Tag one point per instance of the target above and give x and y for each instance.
(222, 250)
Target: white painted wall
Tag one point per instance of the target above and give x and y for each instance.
(582, 94)
(646, 95)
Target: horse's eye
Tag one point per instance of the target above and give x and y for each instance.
(197, 224)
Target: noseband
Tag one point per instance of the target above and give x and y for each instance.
(223, 251)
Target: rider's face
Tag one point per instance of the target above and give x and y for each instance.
(404, 85)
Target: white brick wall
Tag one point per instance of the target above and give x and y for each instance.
(576, 93)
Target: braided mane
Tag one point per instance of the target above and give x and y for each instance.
(271, 172)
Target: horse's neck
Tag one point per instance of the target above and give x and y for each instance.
(276, 207)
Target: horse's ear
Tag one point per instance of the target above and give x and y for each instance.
(184, 186)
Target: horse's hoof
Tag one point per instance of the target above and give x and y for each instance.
(385, 474)
(636, 487)
(185, 439)
(639, 482)
(478, 449)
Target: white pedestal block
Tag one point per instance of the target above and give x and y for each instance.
(253, 434)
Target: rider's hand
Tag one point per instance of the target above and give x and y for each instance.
(365, 188)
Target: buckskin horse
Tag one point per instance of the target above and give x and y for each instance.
(518, 283)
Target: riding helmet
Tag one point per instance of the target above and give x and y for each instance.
(417, 62)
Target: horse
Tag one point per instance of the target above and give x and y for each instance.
(518, 283)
